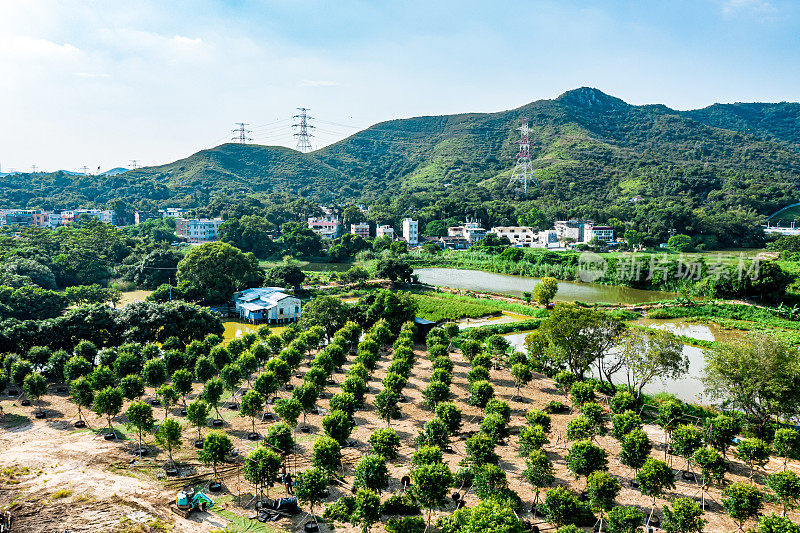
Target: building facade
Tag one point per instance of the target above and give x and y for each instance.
(385, 231)
(327, 227)
(472, 231)
(198, 230)
(267, 305)
(361, 229)
(411, 231)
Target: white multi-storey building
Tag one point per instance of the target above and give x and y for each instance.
(385, 231)
(411, 231)
(360, 228)
(198, 229)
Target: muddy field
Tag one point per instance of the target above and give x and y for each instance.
(56, 478)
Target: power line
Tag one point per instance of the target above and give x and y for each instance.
(303, 136)
(241, 133)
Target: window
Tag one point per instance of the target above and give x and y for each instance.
(280, 311)
(296, 308)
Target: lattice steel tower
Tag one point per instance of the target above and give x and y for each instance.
(523, 170)
(303, 136)
(241, 133)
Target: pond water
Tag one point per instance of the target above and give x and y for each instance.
(689, 388)
(568, 291)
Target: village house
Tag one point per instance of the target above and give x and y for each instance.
(267, 305)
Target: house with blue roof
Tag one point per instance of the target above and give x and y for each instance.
(267, 305)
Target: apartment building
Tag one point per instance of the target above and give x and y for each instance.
(411, 231)
(198, 230)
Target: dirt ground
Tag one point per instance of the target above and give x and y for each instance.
(56, 478)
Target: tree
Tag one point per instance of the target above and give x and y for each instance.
(306, 395)
(470, 348)
(76, 367)
(212, 392)
(760, 375)
(680, 243)
(654, 477)
(327, 455)
(652, 353)
(602, 489)
(480, 392)
(490, 481)
(108, 403)
(776, 524)
(371, 473)
(687, 439)
(742, 502)
(394, 270)
(786, 485)
(522, 374)
(289, 276)
(712, 468)
(345, 402)
(560, 506)
(132, 386)
(367, 509)
(182, 381)
(35, 386)
(212, 272)
(545, 291)
(584, 458)
(261, 468)
(492, 515)
(495, 426)
(251, 405)
(385, 442)
(531, 439)
(169, 397)
(430, 486)
(450, 415)
(338, 426)
(669, 414)
(754, 452)
(249, 233)
(624, 423)
(580, 428)
(622, 401)
(289, 409)
(279, 438)
(169, 436)
(722, 430)
(625, 519)
(300, 241)
(140, 416)
(82, 393)
(580, 336)
(155, 372)
(436, 392)
(635, 450)
(632, 237)
(683, 516)
(538, 471)
(216, 448)
(786, 444)
(197, 414)
(480, 449)
(434, 433)
(386, 405)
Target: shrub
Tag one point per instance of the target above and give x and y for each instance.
(385, 442)
(623, 423)
(754, 452)
(584, 458)
(622, 401)
(581, 393)
(477, 373)
(407, 524)
(531, 438)
(538, 418)
(480, 449)
(625, 519)
(494, 426)
(338, 426)
(563, 507)
(480, 392)
(683, 516)
(401, 503)
(426, 455)
(371, 473)
(742, 502)
(580, 428)
(434, 433)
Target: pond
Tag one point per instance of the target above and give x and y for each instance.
(568, 291)
(690, 387)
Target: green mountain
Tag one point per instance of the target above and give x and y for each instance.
(595, 156)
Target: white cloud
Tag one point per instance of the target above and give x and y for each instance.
(24, 47)
(91, 75)
(733, 7)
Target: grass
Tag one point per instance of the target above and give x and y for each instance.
(61, 493)
(494, 305)
(728, 312)
(437, 309)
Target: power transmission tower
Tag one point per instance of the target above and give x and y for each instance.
(523, 170)
(134, 163)
(241, 133)
(33, 169)
(85, 170)
(303, 137)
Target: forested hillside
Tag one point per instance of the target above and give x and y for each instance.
(700, 172)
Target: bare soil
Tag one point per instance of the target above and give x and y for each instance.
(54, 477)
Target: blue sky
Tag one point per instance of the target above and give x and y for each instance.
(94, 83)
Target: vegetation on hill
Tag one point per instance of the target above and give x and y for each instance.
(713, 172)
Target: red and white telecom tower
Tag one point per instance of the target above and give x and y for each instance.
(523, 170)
